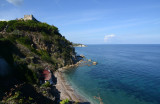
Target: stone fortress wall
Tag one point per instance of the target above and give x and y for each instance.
(28, 17)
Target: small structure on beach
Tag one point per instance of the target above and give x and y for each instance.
(47, 76)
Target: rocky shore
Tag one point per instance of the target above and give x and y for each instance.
(66, 90)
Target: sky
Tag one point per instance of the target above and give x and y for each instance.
(93, 21)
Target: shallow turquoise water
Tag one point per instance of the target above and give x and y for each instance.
(125, 74)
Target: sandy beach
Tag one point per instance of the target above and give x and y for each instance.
(66, 91)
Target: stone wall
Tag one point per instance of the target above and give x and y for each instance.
(28, 17)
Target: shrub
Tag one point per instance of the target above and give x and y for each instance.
(15, 96)
(24, 74)
(66, 101)
(2, 25)
(19, 98)
(45, 56)
(47, 84)
(25, 41)
(29, 26)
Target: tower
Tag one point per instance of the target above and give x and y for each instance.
(28, 17)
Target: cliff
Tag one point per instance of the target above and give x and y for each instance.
(28, 47)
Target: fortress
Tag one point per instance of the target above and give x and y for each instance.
(28, 17)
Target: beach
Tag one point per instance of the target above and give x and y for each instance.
(66, 91)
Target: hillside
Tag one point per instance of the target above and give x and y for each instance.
(28, 47)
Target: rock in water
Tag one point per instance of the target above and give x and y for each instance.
(89, 60)
(94, 63)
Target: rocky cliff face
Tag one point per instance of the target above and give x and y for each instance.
(28, 47)
(39, 42)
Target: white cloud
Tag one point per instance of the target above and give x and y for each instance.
(15, 2)
(3, 20)
(108, 37)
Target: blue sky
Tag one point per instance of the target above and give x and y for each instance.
(93, 21)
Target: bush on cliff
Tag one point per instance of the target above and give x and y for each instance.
(46, 84)
(20, 71)
(66, 101)
(28, 26)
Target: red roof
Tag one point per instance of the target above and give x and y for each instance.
(46, 75)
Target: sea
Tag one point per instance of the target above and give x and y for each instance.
(125, 74)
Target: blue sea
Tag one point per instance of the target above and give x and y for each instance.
(125, 74)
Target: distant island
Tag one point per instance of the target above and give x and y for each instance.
(78, 45)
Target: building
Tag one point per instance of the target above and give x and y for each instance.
(47, 76)
(28, 17)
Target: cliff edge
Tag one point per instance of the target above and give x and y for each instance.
(28, 47)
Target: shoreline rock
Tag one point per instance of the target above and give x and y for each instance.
(94, 63)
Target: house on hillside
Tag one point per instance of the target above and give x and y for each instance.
(47, 76)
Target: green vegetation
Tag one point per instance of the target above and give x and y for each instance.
(25, 41)
(7, 49)
(3, 24)
(29, 25)
(23, 73)
(16, 30)
(18, 98)
(45, 56)
(26, 45)
(47, 84)
(22, 32)
(15, 96)
(66, 101)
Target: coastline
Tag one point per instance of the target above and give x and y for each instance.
(66, 91)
